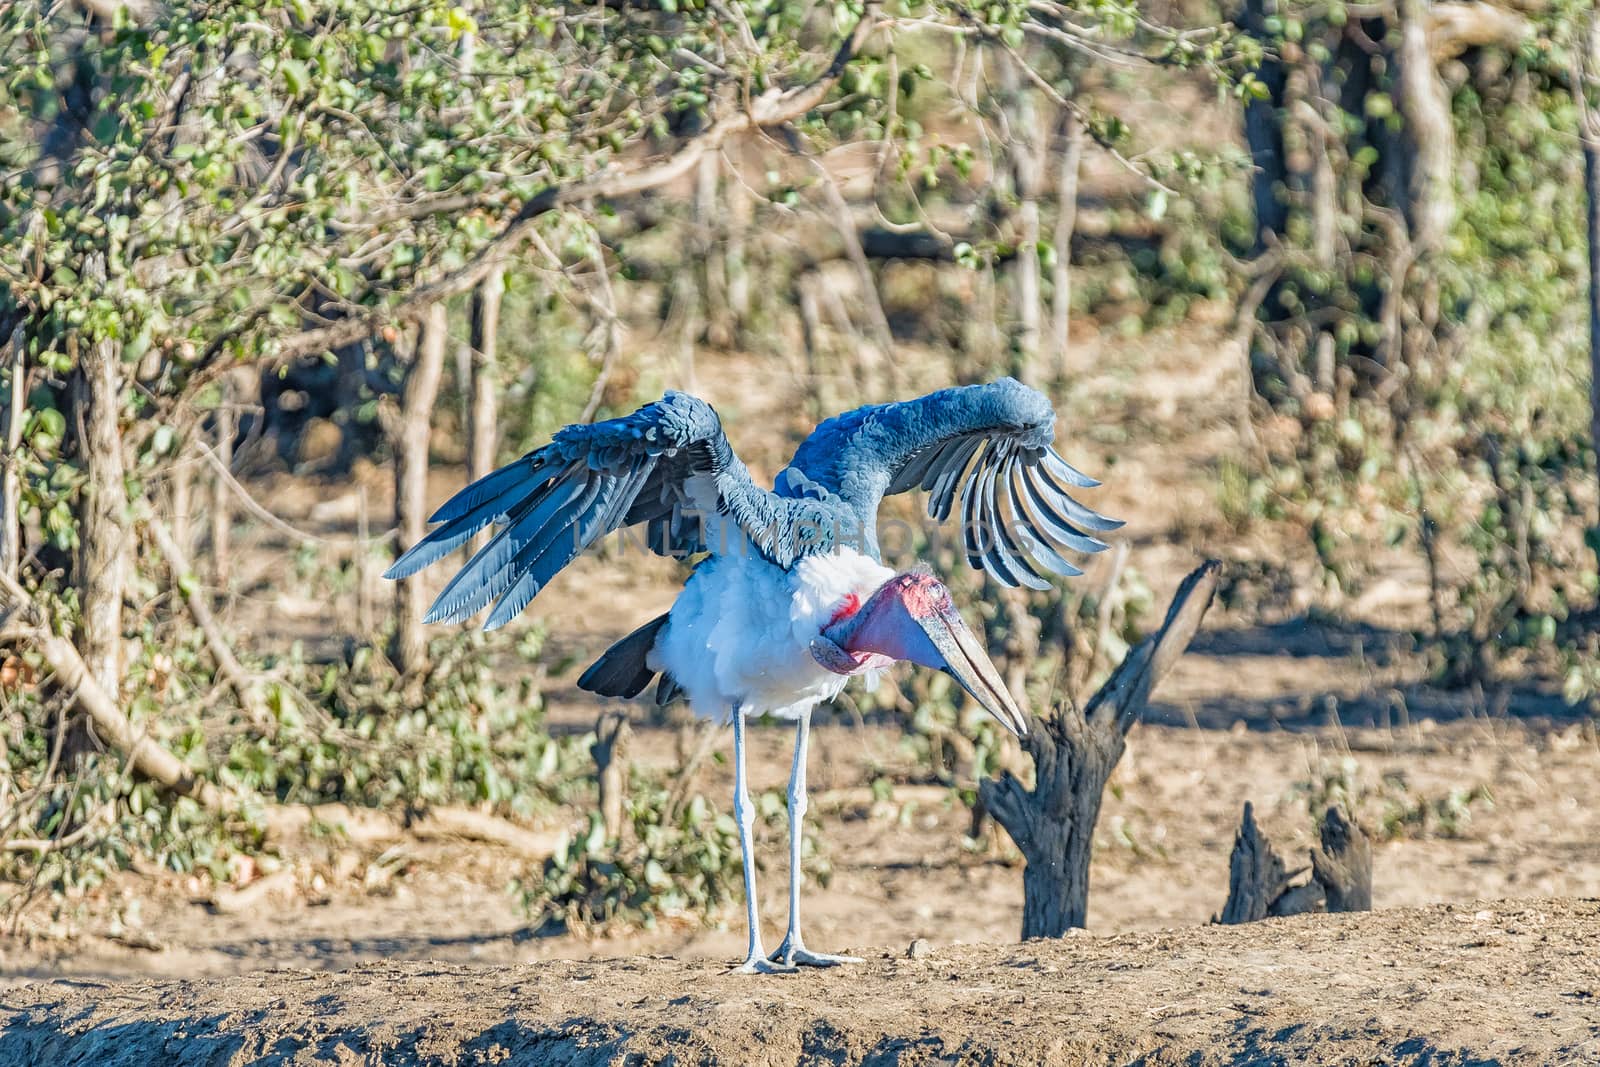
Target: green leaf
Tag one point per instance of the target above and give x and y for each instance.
(296, 76)
(1155, 205)
(460, 21)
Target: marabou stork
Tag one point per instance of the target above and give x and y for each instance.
(790, 600)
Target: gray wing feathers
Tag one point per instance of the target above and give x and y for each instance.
(555, 502)
(986, 446)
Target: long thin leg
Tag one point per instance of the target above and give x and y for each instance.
(755, 961)
(793, 949)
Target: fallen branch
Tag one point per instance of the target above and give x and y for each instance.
(239, 901)
(156, 763)
(147, 756)
(864, 798)
(1455, 27)
(468, 825)
(370, 826)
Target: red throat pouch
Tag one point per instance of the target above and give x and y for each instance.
(848, 607)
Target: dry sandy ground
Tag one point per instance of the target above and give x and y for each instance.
(1486, 983)
(902, 869)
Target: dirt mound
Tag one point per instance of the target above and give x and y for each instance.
(1515, 982)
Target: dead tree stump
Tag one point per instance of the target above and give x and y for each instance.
(1074, 752)
(1343, 865)
(609, 750)
(1260, 883)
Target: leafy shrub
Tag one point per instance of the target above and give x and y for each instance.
(677, 857)
(1392, 809)
(344, 731)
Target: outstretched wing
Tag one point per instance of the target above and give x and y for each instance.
(667, 465)
(986, 445)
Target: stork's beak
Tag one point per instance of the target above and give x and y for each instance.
(967, 662)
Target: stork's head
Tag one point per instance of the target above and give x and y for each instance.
(912, 617)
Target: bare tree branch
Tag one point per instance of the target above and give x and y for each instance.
(10, 484)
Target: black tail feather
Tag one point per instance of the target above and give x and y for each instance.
(622, 671)
(667, 690)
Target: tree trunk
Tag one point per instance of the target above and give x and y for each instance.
(483, 414)
(1342, 866)
(411, 437)
(1589, 133)
(707, 264)
(1074, 752)
(1321, 135)
(351, 390)
(11, 433)
(735, 256)
(1428, 198)
(871, 305)
(1263, 130)
(103, 532)
(180, 485)
(606, 332)
(1257, 876)
(805, 302)
(1066, 222)
(1025, 166)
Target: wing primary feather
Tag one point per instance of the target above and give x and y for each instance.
(490, 505)
(995, 560)
(1073, 510)
(626, 493)
(1066, 471)
(1005, 549)
(936, 467)
(1038, 547)
(495, 484)
(915, 469)
(981, 528)
(1051, 523)
(971, 523)
(527, 573)
(489, 572)
(613, 495)
(435, 546)
(951, 468)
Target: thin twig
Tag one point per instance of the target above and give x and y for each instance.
(245, 687)
(303, 536)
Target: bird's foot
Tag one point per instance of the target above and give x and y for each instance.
(796, 954)
(758, 964)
